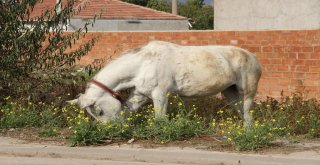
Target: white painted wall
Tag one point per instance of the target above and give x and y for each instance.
(266, 14)
(130, 25)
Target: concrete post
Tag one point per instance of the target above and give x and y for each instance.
(175, 7)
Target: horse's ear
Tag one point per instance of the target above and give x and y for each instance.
(85, 102)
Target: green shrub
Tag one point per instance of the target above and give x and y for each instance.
(28, 114)
(35, 52)
(291, 115)
(164, 130)
(85, 133)
(253, 138)
(18, 119)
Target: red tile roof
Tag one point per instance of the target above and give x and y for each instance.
(109, 9)
(41, 7)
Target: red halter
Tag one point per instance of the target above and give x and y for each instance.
(114, 94)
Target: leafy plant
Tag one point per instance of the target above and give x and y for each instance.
(85, 133)
(36, 49)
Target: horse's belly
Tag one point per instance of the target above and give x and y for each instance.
(200, 84)
(203, 80)
(196, 88)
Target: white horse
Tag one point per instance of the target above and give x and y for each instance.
(159, 68)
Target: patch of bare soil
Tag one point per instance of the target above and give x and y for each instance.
(206, 142)
(213, 143)
(31, 135)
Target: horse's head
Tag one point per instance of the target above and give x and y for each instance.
(102, 108)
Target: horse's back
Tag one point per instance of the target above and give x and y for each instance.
(197, 70)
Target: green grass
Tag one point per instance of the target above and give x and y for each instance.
(290, 117)
(159, 130)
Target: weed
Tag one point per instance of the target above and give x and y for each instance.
(85, 133)
(164, 130)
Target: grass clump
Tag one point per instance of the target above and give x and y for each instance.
(292, 115)
(14, 115)
(86, 133)
(255, 137)
(25, 114)
(138, 126)
(286, 118)
(164, 130)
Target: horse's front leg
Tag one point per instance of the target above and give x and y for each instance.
(160, 102)
(135, 101)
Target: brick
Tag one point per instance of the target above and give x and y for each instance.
(302, 68)
(283, 68)
(308, 82)
(303, 56)
(299, 75)
(307, 49)
(284, 82)
(271, 67)
(311, 62)
(288, 75)
(276, 61)
(315, 56)
(276, 94)
(293, 56)
(314, 69)
(267, 49)
(264, 61)
(280, 49)
(312, 76)
(255, 49)
(280, 42)
(276, 74)
(311, 88)
(298, 62)
(286, 61)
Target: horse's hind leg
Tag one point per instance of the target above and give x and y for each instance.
(242, 100)
(248, 90)
(233, 97)
(247, 104)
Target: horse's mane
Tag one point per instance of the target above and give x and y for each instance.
(126, 55)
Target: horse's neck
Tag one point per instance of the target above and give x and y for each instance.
(116, 75)
(109, 78)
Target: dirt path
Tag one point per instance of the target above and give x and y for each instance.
(18, 152)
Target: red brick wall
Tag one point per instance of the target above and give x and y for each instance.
(290, 59)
